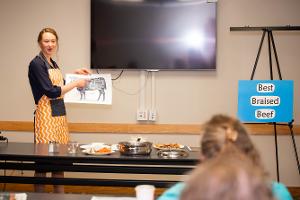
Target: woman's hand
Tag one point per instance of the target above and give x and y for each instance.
(83, 71)
(82, 83)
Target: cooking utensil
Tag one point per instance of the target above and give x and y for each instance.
(187, 147)
(135, 148)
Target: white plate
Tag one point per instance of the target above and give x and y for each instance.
(159, 146)
(96, 145)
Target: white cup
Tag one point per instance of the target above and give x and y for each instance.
(144, 192)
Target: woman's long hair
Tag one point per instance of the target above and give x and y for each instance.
(230, 175)
(221, 130)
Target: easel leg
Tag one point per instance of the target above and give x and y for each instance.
(276, 152)
(276, 56)
(274, 123)
(258, 54)
(270, 55)
(294, 144)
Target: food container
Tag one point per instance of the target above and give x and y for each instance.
(173, 153)
(135, 148)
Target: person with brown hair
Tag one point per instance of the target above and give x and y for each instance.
(220, 130)
(230, 175)
(217, 132)
(48, 89)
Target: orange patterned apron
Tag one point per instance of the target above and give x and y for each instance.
(47, 127)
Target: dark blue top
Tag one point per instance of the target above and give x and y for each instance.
(39, 78)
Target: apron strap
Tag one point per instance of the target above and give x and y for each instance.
(34, 137)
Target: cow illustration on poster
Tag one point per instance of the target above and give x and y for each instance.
(98, 84)
(98, 90)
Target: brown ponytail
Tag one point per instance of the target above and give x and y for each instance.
(220, 130)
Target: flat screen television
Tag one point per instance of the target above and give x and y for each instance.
(153, 34)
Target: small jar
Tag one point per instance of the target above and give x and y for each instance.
(53, 147)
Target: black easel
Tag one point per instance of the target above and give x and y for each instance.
(271, 45)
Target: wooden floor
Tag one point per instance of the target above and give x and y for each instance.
(97, 190)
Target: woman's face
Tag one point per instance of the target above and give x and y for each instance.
(48, 44)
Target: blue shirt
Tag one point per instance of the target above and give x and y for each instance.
(39, 79)
(173, 193)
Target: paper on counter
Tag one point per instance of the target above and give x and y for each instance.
(15, 196)
(20, 196)
(113, 198)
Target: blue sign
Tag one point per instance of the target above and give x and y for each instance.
(265, 100)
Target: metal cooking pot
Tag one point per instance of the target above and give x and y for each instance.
(135, 148)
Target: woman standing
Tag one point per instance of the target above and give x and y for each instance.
(47, 85)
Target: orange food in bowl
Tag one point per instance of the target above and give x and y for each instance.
(168, 146)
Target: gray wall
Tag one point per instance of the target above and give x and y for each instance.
(182, 97)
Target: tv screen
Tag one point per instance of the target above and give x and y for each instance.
(153, 34)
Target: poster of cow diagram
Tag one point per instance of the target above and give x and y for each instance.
(98, 90)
